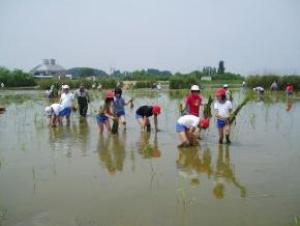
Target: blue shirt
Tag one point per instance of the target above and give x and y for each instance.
(119, 104)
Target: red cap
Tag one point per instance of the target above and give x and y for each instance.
(221, 92)
(204, 123)
(110, 95)
(156, 109)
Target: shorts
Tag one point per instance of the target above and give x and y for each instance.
(289, 93)
(137, 117)
(66, 112)
(120, 113)
(181, 128)
(221, 123)
(101, 119)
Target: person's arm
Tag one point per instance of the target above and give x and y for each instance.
(216, 111)
(108, 114)
(130, 101)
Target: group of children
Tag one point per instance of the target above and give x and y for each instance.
(114, 110)
(188, 125)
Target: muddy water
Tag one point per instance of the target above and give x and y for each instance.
(75, 176)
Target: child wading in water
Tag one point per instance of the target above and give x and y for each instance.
(55, 114)
(119, 104)
(144, 112)
(188, 128)
(106, 113)
(223, 108)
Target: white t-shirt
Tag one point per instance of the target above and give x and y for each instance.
(189, 121)
(56, 108)
(67, 99)
(223, 109)
(259, 88)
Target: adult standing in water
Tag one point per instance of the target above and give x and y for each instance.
(66, 100)
(83, 100)
(193, 101)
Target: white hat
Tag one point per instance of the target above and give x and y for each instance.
(65, 87)
(225, 85)
(48, 110)
(195, 88)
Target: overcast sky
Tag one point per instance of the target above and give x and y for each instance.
(251, 36)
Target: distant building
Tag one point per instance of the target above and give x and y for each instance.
(48, 69)
(206, 78)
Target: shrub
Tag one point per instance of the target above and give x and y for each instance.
(16, 78)
(144, 84)
(183, 82)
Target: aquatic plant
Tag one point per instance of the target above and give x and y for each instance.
(237, 110)
(296, 222)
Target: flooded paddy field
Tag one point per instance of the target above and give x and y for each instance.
(75, 176)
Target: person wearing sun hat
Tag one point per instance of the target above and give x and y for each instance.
(228, 92)
(223, 109)
(66, 100)
(193, 101)
(144, 112)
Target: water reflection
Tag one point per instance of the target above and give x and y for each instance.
(82, 134)
(61, 139)
(192, 162)
(147, 148)
(289, 104)
(224, 174)
(111, 150)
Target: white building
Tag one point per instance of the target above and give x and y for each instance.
(48, 69)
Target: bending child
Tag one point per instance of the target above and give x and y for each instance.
(223, 109)
(188, 128)
(106, 113)
(144, 112)
(55, 114)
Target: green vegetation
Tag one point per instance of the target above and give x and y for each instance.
(145, 75)
(266, 81)
(144, 84)
(106, 83)
(81, 72)
(16, 78)
(184, 81)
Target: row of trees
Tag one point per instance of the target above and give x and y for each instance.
(16, 78)
(145, 78)
(266, 81)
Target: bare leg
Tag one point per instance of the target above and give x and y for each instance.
(227, 133)
(101, 127)
(184, 139)
(108, 126)
(68, 120)
(123, 121)
(142, 122)
(221, 135)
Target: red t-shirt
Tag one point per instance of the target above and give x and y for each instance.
(193, 103)
(290, 89)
